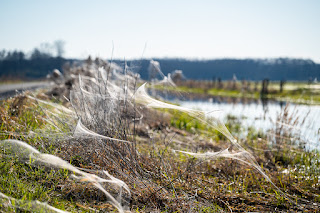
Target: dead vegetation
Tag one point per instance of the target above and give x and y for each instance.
(160, 178)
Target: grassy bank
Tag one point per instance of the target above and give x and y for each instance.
(176, 181)
(293, 92)
(106, 145)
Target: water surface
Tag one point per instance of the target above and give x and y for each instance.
(263, 116)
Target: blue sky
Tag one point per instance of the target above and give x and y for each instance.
(185, 29)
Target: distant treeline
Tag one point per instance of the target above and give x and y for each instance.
(37, 64)
(244, 69)
(16, 65)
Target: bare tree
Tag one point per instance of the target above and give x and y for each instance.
(59, 46)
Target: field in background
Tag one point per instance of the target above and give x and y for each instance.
(295, 92)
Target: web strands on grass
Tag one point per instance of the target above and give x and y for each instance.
(28, 154)
(143, 98)
(9, 203)
(57, 107)
(104, 104)
(90, 96)
(166, 81)
(82, 131)
(103, 108)
(155, 70)
(99, 101)
(238, 152)
(56, 120)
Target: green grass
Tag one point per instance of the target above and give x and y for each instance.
(20, 180)
(301, 180)
(24, 182)
(175, 182)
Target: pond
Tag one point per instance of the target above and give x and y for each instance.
(262, 115)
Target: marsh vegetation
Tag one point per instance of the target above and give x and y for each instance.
(102, 143)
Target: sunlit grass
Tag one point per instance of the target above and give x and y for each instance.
(166, 180)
